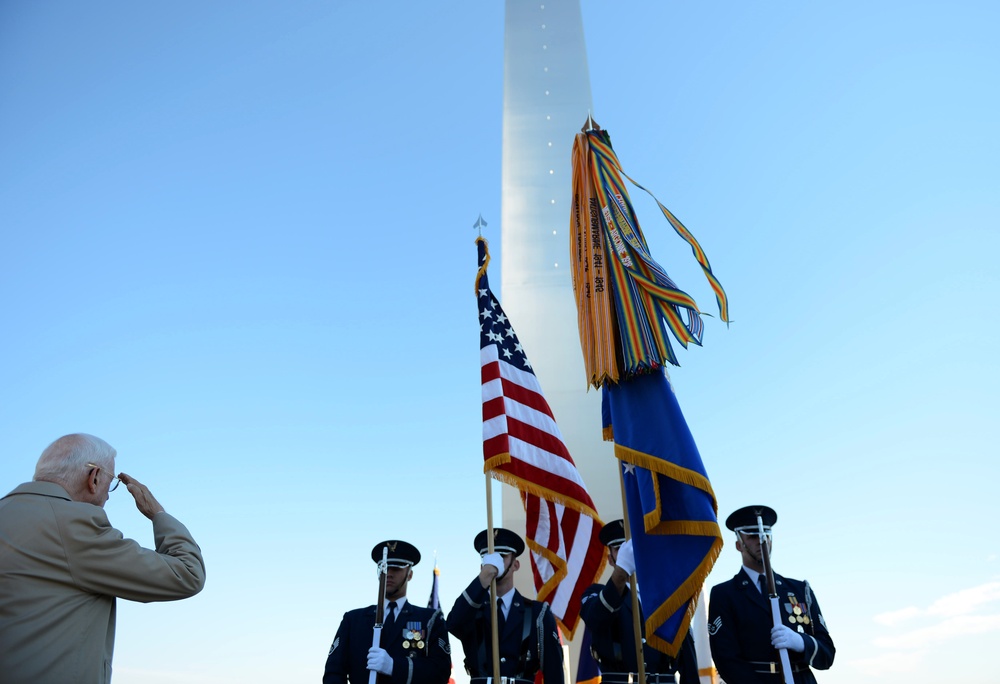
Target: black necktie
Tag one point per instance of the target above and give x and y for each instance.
(390, 617)
(762, 582)
(500, 618)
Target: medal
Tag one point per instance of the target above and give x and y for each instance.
(413, 635)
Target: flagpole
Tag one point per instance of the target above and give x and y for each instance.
(493, 582)
(379, 607)
(495, 638)
(636, 615)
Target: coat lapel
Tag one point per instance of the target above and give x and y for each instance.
(515, 616)
(392, 635)
(401, 619)
(751, 592)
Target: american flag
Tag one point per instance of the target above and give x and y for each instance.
(522, 446)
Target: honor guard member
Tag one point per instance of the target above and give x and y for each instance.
(607, 611)
(414, 647)
(527, 637)
(741, 630)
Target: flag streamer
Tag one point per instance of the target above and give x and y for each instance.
(626, 302)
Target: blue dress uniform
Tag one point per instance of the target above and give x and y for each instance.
(608, 615)
(416, 640)
(528, 641)
(739, 630)
(740, 619)
(417, 643)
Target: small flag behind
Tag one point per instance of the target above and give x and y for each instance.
(435, 600)
(523, 447)
(707, 674)
(587, 669)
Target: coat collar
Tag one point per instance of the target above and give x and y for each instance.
(41, 489)
(750, 590)
(516, 600)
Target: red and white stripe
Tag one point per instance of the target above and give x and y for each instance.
(562, 525)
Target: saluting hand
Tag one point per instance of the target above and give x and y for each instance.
(144, 499)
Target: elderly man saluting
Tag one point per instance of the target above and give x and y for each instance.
(62, 565)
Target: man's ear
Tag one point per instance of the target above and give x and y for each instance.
(409, 575)
(92, 475)
(515, 565)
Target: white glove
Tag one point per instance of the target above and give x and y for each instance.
(786, 637)
(494, 559)
(626, 559)
(379, 661)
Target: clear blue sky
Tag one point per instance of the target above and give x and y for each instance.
(237, 244)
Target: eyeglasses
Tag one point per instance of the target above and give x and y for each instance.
(114, 480)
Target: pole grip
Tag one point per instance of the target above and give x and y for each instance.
(786, 663)
(494, 637)
(379, 608)
(765, 557)
(376, 637)
(640, 656)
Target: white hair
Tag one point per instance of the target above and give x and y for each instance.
(66, 459)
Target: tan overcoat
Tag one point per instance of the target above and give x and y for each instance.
(62, 565)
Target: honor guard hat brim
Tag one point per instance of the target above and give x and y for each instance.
(744, 520)
(401, 554)
(613, 533)
(504, 541)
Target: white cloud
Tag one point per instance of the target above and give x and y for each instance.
(934, 635)
(966, 601)
(910, 632)
(962, 602)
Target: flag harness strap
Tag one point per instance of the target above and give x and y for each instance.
(525, 633)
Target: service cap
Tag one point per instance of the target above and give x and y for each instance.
(504, 541)
(744, 520)
(613, 533)
(401, 554)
